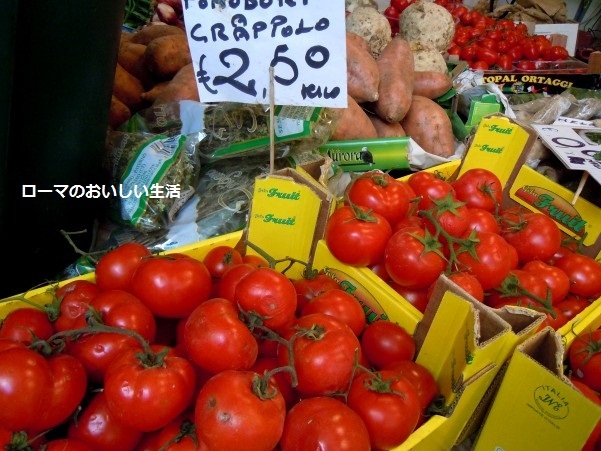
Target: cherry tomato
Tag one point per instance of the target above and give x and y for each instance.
(384, 342)
(356, 236)
(115, 269)
(255, 420)
(326, 424)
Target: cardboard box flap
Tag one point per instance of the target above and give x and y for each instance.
(288, 216)
(456, 354)
(522, 320)
(547, 349)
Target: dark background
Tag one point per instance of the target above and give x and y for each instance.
(58, 60)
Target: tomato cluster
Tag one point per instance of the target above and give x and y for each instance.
(171, 352)
(488, 43)
(501, 256)
(584, 364)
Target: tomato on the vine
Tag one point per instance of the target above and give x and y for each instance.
(584, 357)
(384, 342)
(557, 280)
(115, 269)
(341, 305)
(220, 258)
(479, 188)
(26, 324)
(356, 236)
(233, 411)
(584, 273)
(388, 404)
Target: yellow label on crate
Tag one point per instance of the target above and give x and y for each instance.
(497, 145)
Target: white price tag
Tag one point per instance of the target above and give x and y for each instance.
(576, 148)
(233, 43)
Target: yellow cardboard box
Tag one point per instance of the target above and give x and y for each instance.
(535, 399)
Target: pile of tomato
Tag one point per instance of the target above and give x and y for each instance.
(410, 231)
(169, 352)
(487, 43)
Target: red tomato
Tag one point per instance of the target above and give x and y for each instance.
(384, 342)
(584, 273)
(479, 188)
(67, 444)
(420, 377)
(115, 269)
(418, 297)
(220, 258)
(482, 220)
(74, 298)
(255, 260)
(429, 188)
(178, 435)
(469, 283)
(324, 354)
(557, 280)
(216, 339)
(584, 357)
(448, 214)
(255, 420)
(278, 379)
(268, 295)
(356, 236)
(326, 424)
(535, 236)
(172, 285)
(489, 262)
(159, 387)
(413, 258)
(594, 441)
(311, 285)
(572, 305)
(401, 5)
(556, 53)
(98, 427)
(390, 412)
(520, 287)
(25, 324)
(531, 51)
(479, 65)
(230, 278)
(341, 305)
(487, 54)
(526, 65)
(505, 61)
(380, 192)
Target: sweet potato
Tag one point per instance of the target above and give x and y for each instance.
(166, 55)
(152, 94)
(429, 126)
(182, 87)
(353, 123)
(386, 129)
(153, 31)
(363, 75)
(118, 112)
(431, 84)
(127, 88)
(131, 58)
(396, 80)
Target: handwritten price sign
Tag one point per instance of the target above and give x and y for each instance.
(575, 150)
(233, 44)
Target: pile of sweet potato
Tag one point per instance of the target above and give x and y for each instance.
(387, 97)
(154, 65)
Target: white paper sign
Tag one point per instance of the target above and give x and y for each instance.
(234, 42)
(573, 147)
